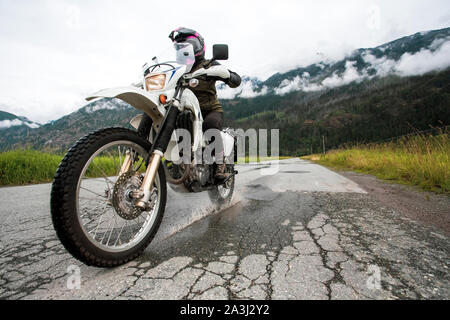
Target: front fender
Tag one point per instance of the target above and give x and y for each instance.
(138, 98)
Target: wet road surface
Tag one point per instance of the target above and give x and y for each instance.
(303, 232)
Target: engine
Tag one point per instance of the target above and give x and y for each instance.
(200, 175)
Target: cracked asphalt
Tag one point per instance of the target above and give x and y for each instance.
(302, 233)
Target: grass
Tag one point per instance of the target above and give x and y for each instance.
(420, 160)
(20, 167)
(258, 159)
(27, 166)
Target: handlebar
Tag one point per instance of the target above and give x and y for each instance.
(203, 77)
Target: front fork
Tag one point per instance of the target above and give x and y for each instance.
(127, 163)
(160, 144)
(149, 179)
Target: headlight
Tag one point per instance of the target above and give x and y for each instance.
(155, 82)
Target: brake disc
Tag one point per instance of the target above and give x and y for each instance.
(122, 199)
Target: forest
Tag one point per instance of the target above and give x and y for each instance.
(369, 111)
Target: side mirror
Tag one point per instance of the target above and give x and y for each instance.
(220, 52)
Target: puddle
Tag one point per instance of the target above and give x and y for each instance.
(295, 171)
(259, 192)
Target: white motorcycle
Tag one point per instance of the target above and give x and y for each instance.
(109, 194)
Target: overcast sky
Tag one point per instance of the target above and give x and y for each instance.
(54, 52)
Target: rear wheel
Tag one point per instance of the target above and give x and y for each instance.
(93, 208)
(222, 194)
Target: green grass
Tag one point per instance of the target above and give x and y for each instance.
(27, 166)
(421, 160)
(20, 167)
(258, 159)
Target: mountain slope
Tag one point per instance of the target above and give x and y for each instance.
(372, 94)
(408, 56)
(371, 110)
(14, 129)
(8, 120)
(62, 133)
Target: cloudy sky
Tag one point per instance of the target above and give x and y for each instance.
(55, 52)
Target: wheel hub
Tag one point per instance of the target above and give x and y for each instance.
(122, 199)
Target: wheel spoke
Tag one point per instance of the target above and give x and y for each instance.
(138, 164)
(89, 199)
(112, 229)
(104, 176)
(120, 232)
(101, 222)
(120, 161)
(98, 195)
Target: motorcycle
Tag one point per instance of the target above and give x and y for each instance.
(109, 193)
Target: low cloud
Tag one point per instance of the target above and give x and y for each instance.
(426, 60)
(436, 57)
(246, 90)
(106, 104)
(297, 84)
(382, 66)
(5, 124)
(304, 82)
(350, 75)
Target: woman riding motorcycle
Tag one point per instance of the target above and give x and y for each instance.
(206, 93)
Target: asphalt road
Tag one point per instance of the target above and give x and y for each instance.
(302, 233)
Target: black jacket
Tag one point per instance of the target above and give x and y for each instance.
(206, 90)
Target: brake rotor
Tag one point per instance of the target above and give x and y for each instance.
(122, 199)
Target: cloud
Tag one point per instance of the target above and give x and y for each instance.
(32, 125)
(382, 66)
(350, 75)
(106, 104)
(437, 57)
(304, 83)
(5, 124)
(226, 92)
(287, 85)
(54, 52)
(297, 84)
(246, 90)
(425, 60)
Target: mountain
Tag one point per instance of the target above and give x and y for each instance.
(408, 56)
(61, 133)
(14, 129)
(9, 120)
(372, 94)
(368, 111)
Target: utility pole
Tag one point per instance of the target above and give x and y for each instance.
(323, 143)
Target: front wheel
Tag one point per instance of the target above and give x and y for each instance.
(92, 207)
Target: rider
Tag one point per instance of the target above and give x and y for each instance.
(205, 92)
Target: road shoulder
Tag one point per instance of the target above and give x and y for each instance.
(426, 207)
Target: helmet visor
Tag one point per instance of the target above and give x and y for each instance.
(185, 54)
(198, 48)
